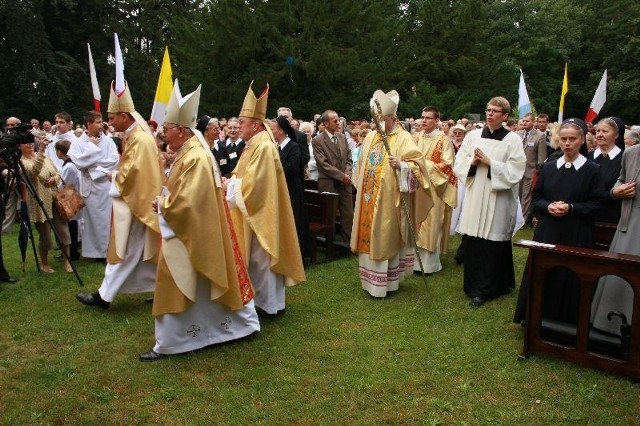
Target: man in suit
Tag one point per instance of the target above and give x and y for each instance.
(210, 129)
(333, 158)
(535, 149)
(542, 123)
(234, 145)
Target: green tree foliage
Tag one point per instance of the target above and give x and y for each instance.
(453, 54)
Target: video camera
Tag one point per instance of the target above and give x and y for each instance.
(15, 136)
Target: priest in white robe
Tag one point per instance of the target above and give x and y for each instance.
(490, 164)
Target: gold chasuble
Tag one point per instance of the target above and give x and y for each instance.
(139, 180)
(196, 212)
(264, 209)
(378, 218)
(439, 155)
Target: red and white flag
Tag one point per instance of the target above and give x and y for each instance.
(598, 100)
(94, 82)
(120, 85)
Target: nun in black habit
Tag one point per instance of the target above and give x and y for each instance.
(566, 198)
(608, 155)
(292, 164)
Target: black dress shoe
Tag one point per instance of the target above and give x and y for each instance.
(151, 356)
(93, 299)
(477, 301)
(8, 279)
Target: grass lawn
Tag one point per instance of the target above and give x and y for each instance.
(420, 356)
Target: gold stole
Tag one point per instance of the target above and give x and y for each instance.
(372, 176)
(246, 289)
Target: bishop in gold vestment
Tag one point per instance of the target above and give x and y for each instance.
(381, 234)
(261, 211)
(135, 233)
(203, 293)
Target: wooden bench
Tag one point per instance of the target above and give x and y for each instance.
(321, 211)
(582, 344)
(310, 184)
(603, 235)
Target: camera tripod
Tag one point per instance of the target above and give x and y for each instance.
(18, 176)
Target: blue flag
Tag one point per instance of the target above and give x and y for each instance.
(524, 105)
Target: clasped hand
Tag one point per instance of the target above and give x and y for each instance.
(558, 208)
(480, 157)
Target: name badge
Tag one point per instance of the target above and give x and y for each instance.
(223, 161)
(530, 143)
(233, 155)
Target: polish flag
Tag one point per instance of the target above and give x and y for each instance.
(598, 100)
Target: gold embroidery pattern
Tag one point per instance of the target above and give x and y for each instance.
(246, 291)
(374, 167)
(444, 168)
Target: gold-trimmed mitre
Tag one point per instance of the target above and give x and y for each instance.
(388, 102)
(255, 107)
(183, 110)
(122, 102)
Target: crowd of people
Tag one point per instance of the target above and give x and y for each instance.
(209, 213)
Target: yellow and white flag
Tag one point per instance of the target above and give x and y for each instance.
(163, 91)
(565, 90)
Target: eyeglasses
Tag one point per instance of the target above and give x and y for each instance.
(166, 129)
(493, 111)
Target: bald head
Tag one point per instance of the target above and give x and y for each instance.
(12, 122)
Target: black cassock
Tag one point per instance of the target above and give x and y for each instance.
(291, 159)
(609, 172)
